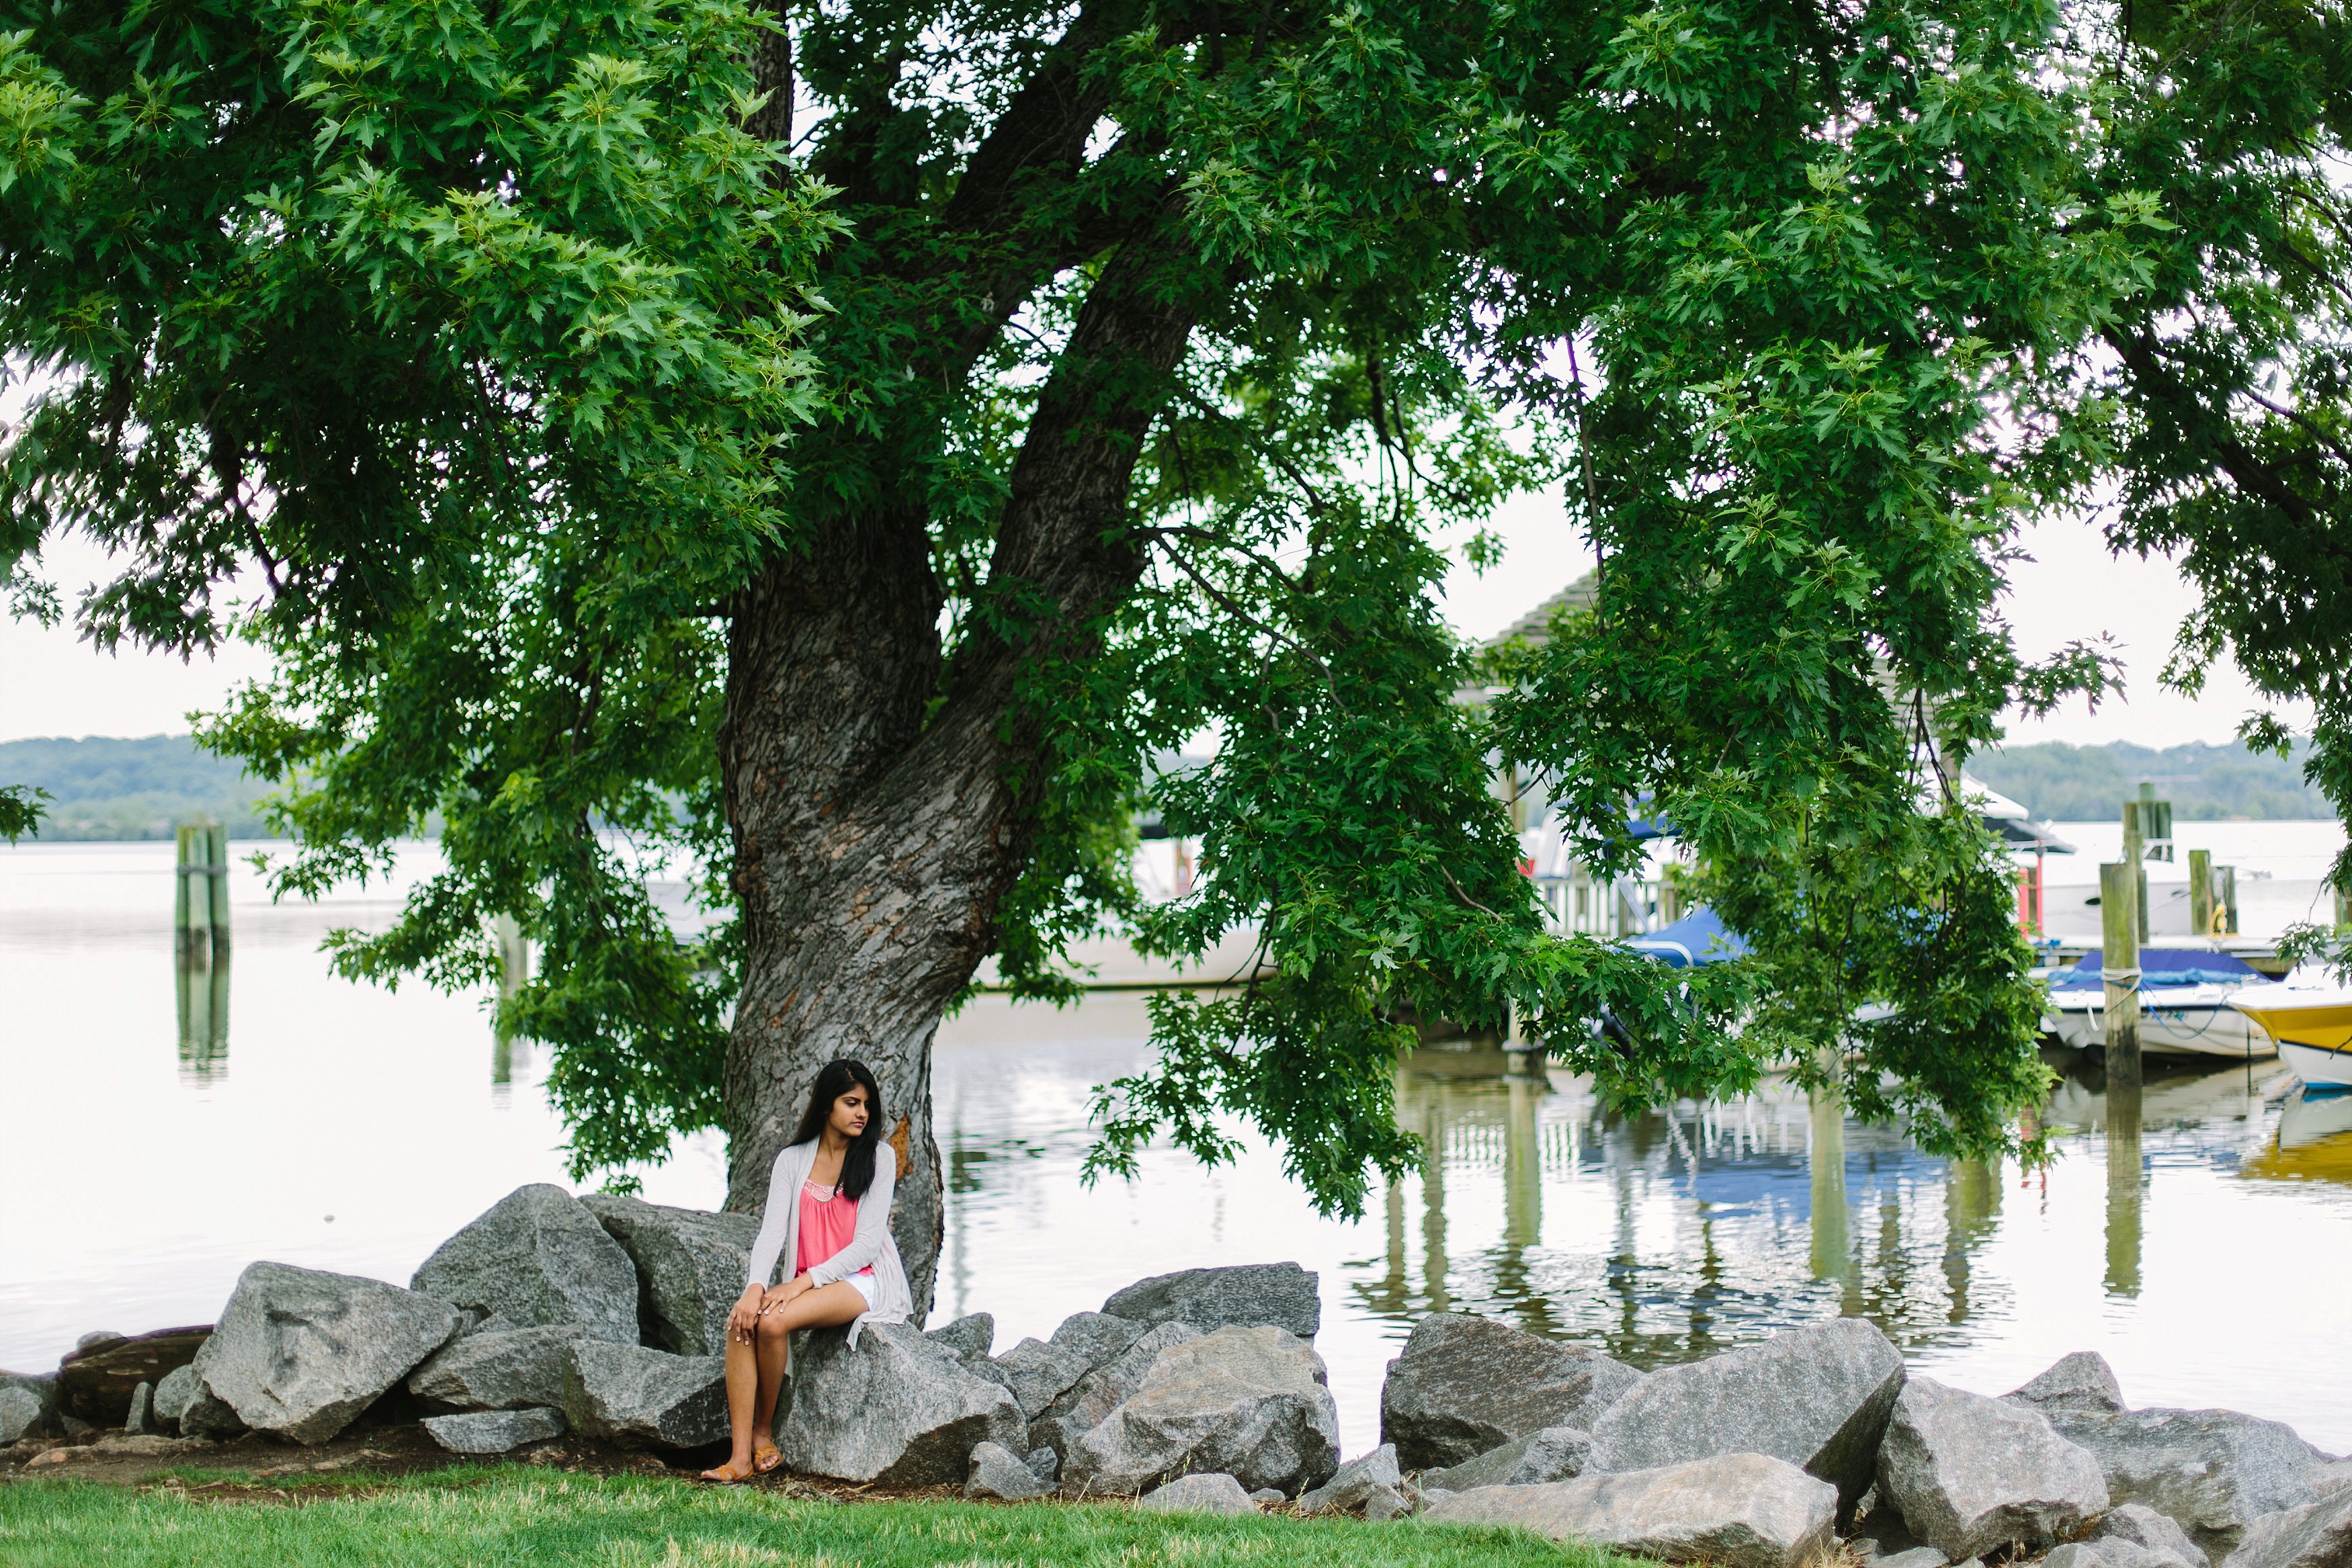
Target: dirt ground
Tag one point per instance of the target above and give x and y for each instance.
(269, 1468)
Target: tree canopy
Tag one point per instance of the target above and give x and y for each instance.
(839, 444)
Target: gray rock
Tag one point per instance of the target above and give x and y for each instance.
(2213, 1473)
(1911, 1557)
(2083, 1381)
(1214, 1493)
(2143, 1526)
(299, 1352)
(494, 1431)
(1037, 1374)
(1352, 1485)
(690, 1268)
(1466, 1384)
(1282, 1294)
(892, 1410)
(20, 1411)
(993, 1471)
(1737, 1510)
(1098, 1336)
(1816, 1397)
(635, 1395)
(96, 1339)
(499, 1369)
(1970, 1474)
(2106, 1552)
(1387, 1502)
(2315, 1535)
(1267, 1494)
(207, 1415)
(172, 1396)
(1554, 1454)
(41, 1388)
(968, 1337)
(1248, 1401)
(2328, 1479)
(140, 1420)
(538, 1256)
(1045, 1465)
(1105, 1389)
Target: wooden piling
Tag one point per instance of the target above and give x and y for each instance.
(2119, 961)
(216, 881)
(2201, 892)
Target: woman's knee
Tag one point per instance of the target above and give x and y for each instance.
(774, 1328)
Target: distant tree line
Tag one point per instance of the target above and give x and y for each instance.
(2206, 783)
(108, 787)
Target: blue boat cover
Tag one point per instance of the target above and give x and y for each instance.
(2166, 966)
(1697, 938)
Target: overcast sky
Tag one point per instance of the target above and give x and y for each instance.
(51, 684)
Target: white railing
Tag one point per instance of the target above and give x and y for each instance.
(1578, 905)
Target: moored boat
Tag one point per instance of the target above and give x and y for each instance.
(2312, 1024)
(2187, 1004)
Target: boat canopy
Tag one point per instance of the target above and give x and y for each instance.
(2166, 966)
(1697, 938)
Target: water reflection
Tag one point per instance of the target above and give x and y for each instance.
(1667, 1235)
(2314, 1142)
(200, 985)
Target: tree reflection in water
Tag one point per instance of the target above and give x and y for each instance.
(1668, 1235)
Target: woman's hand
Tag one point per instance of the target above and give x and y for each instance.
(781, 1295)
(745, 1317)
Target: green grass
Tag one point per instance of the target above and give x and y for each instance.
(512, 1516)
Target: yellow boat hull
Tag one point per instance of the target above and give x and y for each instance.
(2328, 1025)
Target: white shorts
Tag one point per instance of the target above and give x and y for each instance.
(868, 1286)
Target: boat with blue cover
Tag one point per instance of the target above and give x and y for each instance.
(2187, 998)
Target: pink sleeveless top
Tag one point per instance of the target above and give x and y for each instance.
(828, 1224)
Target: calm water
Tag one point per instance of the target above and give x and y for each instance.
(348, 1128)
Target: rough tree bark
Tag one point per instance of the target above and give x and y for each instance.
(874, 849)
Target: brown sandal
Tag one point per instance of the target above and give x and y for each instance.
(727, 1474)
(765, 1459)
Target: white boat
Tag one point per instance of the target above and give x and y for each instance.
(2312, 1023)
(2187, 1004)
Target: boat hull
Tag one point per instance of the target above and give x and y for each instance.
(2198, 1028)
(2318, 1064)
(2313, 1018)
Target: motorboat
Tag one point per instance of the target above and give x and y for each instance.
(2187, 1004)
(2312, 1023)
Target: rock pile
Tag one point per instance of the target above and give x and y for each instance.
(1202, 1391)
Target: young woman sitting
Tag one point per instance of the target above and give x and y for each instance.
(829, 1211)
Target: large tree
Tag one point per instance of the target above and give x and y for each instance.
(837, 446)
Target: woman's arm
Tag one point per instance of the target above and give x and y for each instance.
(769, 1244)
(873, 1224)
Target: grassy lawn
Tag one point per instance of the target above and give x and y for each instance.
(499, 1516)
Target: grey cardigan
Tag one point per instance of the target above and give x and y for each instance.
(780, 1228)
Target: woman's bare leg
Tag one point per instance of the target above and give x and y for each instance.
(742, 1394)
(755, 1371)
(774, 1345)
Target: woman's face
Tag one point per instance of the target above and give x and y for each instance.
(849, 1112)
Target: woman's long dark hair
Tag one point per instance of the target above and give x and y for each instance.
(837, 1080)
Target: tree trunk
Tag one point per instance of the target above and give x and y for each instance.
(874, 849)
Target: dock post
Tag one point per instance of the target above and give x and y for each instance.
(191, 902)
(2119, 962)
(2229, 900)
(1825, 1160)
(217, 883)
(2201, 892)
